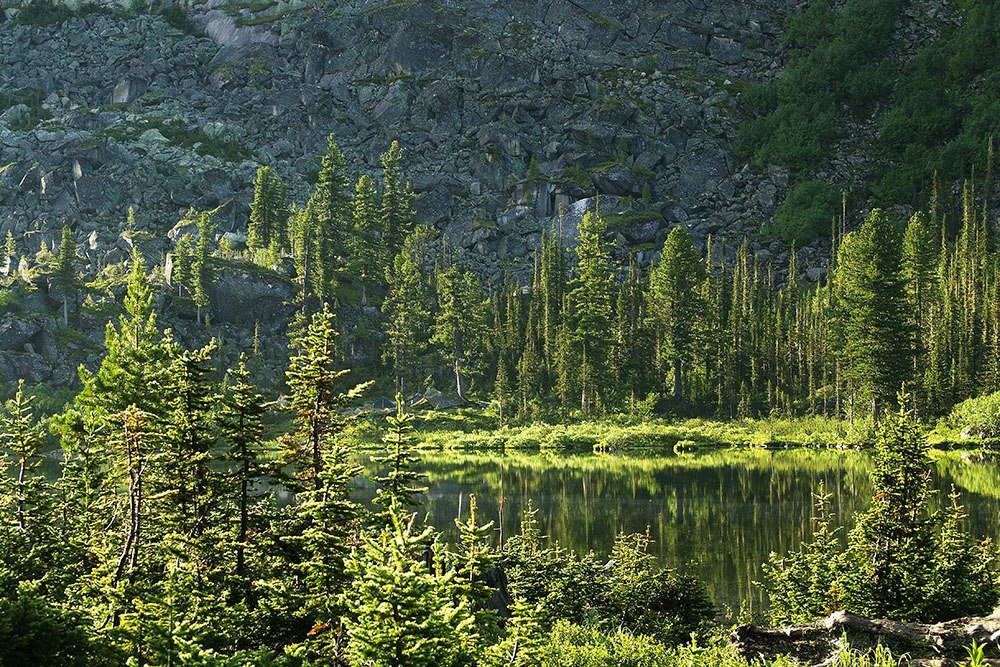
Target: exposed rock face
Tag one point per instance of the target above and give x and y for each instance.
(509, 112)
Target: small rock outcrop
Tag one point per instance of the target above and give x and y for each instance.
(926, 645)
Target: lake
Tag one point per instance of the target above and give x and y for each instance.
(717, 514)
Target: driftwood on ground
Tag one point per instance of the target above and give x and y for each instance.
(939, 644)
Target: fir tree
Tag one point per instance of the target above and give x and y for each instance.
(398, 486)
(402, 613)
(397, 202)
(675, 303)
(268, 213)
(67, 277)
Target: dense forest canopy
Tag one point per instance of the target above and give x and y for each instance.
(191, 497)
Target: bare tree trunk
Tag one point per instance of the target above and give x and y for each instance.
(678, 392)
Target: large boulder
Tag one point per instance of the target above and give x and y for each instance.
(15, 332)
(26, 366)
(245, 295)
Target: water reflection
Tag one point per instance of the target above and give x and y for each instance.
(719, 514)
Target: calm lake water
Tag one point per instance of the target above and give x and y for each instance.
(717, 515)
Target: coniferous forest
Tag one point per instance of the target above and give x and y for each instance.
(198, 496)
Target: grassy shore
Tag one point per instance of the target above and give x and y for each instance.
(472, 429)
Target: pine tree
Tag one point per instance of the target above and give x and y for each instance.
(188, 487)
(407, 308)
(398, 486)
(367, 251)
(268, 213)
(325, 523)
(872, 297)
(10, 247)
(241, 419)
(314, 397)
(397, 202)
(22, 439)
(180, 274)
(201, 268)
(675, 304)
(331, 204)
(401, 613)
(473, 559)
(67, 277)
(920, 262)
(590, 318)
(460, 322)
(303, 232)
(133, 369)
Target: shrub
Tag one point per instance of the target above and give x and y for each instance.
(807, 212)
(35, 632)
(575, 646)
(978, 417)
(902, 562)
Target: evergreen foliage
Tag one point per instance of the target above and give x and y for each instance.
(902, 561)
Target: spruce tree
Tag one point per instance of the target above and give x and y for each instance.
(67, 277)
(201, 268)
(590, 318)
(873, 309)
(407, 308)
(267, 228)
(397, 202)
(675, 304)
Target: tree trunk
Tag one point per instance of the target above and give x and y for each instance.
(816, 644)
(65, 311)
(678, 388)
(244, 516)
(459, 381)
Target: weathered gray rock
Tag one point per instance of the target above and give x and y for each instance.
(16, 331)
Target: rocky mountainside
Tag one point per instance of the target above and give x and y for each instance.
(510, 112)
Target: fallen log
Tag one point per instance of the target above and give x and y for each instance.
(816, 644)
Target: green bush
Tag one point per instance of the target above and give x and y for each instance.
(902, 561)
(979, 417)
(808, 212)
(631, 592)
(575, 646)
(836, 62)
(35, 632)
